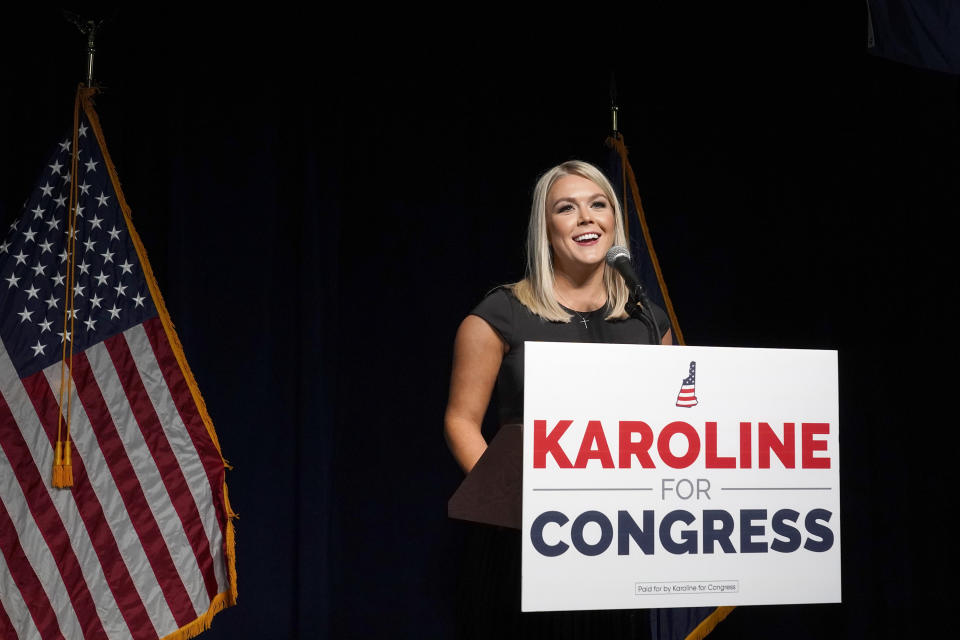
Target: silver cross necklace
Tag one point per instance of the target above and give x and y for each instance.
(583, 318)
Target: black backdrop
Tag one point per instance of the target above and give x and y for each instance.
(325, 196)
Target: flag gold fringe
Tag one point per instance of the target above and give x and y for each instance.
(227, 598)
(707, 624)
(220, 602)
(231, 547)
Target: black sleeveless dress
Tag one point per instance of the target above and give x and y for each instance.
(489, 593)
(515, 324)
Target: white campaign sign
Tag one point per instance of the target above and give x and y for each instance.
(631, 501)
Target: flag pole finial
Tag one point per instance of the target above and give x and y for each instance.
(88, 28)
(614, 108)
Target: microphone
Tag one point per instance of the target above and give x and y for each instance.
(619, 258)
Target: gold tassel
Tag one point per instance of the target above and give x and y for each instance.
(57, 464)
(62, 467)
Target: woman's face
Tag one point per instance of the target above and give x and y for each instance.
(579, 223)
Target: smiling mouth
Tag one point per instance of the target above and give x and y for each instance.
(587, 239)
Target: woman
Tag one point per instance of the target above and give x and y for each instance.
(569, 294)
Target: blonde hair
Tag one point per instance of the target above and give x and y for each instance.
(536, 290)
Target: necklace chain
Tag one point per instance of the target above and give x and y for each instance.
(583, 318)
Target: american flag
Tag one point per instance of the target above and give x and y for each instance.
(141, 545)
(681, 622)
(688, 393)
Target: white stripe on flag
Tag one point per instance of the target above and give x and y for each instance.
(36, 550)
(21, 406)
(151, 481)
(11, 600)
(180, 443)
(31, 539)
(72, 521)
(103, 485)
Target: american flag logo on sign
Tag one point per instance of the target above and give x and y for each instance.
(688, 393)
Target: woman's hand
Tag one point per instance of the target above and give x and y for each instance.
(477, 353)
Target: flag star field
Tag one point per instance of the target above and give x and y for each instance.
(110, 290)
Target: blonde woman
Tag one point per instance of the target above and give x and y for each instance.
(569, 294)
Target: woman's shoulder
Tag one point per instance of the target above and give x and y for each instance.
(498, 308)
(500, 295)
(498, 301)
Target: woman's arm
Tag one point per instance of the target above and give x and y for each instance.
(477, 353)
(667, 337)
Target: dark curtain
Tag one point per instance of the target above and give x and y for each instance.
(921, 33)
(323, 201)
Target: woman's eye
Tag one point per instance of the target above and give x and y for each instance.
(564, 208)
(599, 204)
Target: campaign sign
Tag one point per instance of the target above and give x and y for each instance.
(664, 476)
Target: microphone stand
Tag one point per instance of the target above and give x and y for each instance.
(639, 307)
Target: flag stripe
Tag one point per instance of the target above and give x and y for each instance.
(48, 548)
(166, 462)
(90, 497)
(6, 591)
(183, 447)
(80, 504)
(24, 585)
(88, 446)
(107, 411)
(170, 475)
(187, 408)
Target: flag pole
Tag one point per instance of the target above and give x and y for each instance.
(88, 28)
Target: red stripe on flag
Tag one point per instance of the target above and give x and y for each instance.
(6, 626)
(24, 576)
(190, 415)
(135, 502)
(115, 570)
(48, 520)
(91, 512)
(164, 457)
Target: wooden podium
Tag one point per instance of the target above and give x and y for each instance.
(491, 492)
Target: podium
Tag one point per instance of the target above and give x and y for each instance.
(491, 492)
(648, 476)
